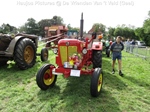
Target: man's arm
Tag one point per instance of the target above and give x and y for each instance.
(112, 46)
(122, 46)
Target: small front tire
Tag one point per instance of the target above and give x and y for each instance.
(96, 82)
(44, 79)
(44, 54)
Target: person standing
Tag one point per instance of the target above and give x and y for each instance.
(127, 45)
(116, 49)
(132, 45)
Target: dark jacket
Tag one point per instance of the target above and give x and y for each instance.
(117, 47)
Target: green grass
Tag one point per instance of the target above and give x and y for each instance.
(142, 51)
(19, 92)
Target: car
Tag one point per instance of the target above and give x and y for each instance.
(140, 44)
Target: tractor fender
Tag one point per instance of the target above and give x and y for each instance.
(97, 46)
(11, 47)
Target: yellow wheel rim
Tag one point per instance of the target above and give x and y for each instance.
(28, 54)
(48, 79)
(99, 83)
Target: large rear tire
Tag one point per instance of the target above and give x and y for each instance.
(2, 63)
(97, 58)
(96, 82)
(44, 79)
(25, 53)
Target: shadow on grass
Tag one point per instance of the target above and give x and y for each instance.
(138, 82)
(10, 73)
(75, 97)
(112, 80)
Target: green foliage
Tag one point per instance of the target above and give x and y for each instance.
(125, 32)
(111, 31)
(140, 33)
(99, 28)
(56, 20)
(146, 26)
(30, 27)
(144, 32)
(73, 28)
(37, 28)
(8, 29)
(42, 24)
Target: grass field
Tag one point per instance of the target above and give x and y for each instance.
(131, 93)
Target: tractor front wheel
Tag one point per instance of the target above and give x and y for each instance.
(44, 54)
(44, 78)
(96, 82)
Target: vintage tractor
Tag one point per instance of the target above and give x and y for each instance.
(22, 49)
(75, 58)
(53, 34)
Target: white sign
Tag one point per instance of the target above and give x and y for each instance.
(75, 73)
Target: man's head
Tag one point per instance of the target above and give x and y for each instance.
(118, 39)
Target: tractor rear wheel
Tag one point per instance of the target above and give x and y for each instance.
(2, 63)
(96, 82)
(44, 54)
(25, 53)
(97, 58)
(44, 79)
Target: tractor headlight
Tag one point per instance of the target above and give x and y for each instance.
(84, 51)
(55, 50)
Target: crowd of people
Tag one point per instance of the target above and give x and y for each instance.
(130, 45)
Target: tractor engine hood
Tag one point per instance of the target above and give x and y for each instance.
(72, 42)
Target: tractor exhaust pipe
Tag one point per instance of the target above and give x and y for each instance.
(81, 26)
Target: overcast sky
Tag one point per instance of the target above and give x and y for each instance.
(107, 12)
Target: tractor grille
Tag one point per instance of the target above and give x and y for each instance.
(66, 51)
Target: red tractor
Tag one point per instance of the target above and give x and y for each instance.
(75, 58)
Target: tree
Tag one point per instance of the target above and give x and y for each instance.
(42, 24)
(126, 32)
(30, 27)
(69, 27)
(118, 32)
(139, 32)
(98, 28)
(144, 32)
(57, 20)
(146, 26)
(8, 29)
(111, 32)
(72, 28)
